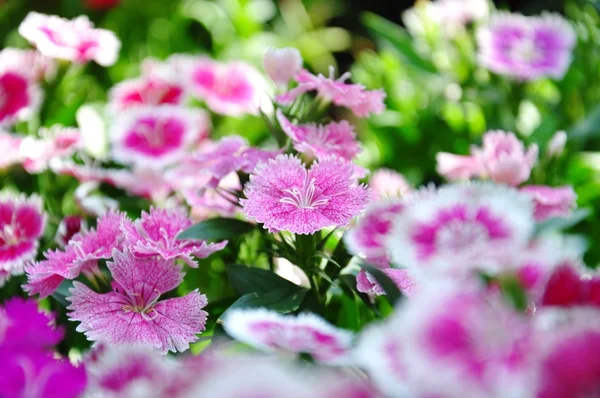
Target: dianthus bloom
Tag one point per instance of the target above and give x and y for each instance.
(73, 40)
(451, 341)
(459, 227)
(527, 47)
(321, 141)
(366, 283)
(232, 89)
(9, 147)
(55, 142)
(155, 234)
(502, 158)
(155, 136)
(567, 287)
(132, 313)
(388, 184)
(551, 202)
(281, 64)
(22, 223)
(35, 64)
(355, 97)
(19, 96)
(285, 196)
(305, 333)
(29, 367)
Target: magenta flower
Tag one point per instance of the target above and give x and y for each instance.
(281, 64)
(232, 89)
(55, 142)
(321, 141)
(567, 287)
(284, 196)
(388, 184)
(73, 40)
(20, 96)
(37, 66)
(147, 90)
(551, 202)
(360, 101)
(459, 228)
(527, 47)
(155, 234)
(305, 333)
(9, 146)
(22, 223)
(155, 137)
(132, 313)
(69, 227)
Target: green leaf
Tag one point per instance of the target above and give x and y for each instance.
(217, 229)
(398, 37)
(513, 290)
(392, 292)
(586, 128)
(562, 223)
(247, 280)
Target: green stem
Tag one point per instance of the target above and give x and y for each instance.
(306, 247)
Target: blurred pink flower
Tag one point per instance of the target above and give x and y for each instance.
(148, 90)
(132, 313)
(366, 283)
(458, 229)
(22, 223)
(9, 147)
(551, 202)
(74, 40)
(283, 195)
(360, 101)
(19, 96)
(456, 167)
(567, 287)
(305, 333)
(154, 137)
(155, 234)
(69, 226)
(321, 141)
(231, 89)
(388, 184)
(54, 142)
(147, 182)
(101, 4)
(281, 64)
(527, 47)
(37, 66)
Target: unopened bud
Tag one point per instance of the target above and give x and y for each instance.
(281, 64)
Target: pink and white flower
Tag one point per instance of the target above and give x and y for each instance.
(69, 227)
(360, 101)
(570, 287)
(150, 90)
(285, 196)
(19, 96)
(9, 146)
(457, 167)
(155, 234)
(155, 136)
(55, 142)
(305, 333)
(321, 141)
(388, 184)
(132, 313)
(551, 202)
(74, 40)
(22, 222)
(527, 47)
(147, 182)
(281, 64)
(366, 283)
(457, 229)
(38, 66)
(232, 89)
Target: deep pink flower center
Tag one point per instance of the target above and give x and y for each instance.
(156, 137)
(307, 197)
(11, 235)
(142, 303)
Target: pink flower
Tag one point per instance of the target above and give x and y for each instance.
(281, 64)
(232, 89)
(527, 47)
(388, 184)
(57, 141)
(22, 223)
(9, 146)
(155, 136)
(568, 288)
(148, 90)
(69, 226)
(366, 283)
(456, 167)
(459, 228)
(353, 96)
(321, 141)
(305, 333)
(23, 326)
(73, 40)
(147, 182)
(283, 195)
(93, 204)
(155, 234)
(37, 66)
(132, 313)
(19, 96)
(551, 202)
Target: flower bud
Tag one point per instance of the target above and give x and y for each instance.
(556, 146)
(281, 64)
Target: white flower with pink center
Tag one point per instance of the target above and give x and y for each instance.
(454, 230)
(306, 333)
(54, 142)
(22, 223)
(74, 40)
(155, 137)
(35, 64)
(9, 147)
(19, 96)
(388, 184)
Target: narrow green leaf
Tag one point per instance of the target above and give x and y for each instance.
(392, 292)
(586, 128)
(217, 229)
(514, 292)
(398, 37)
(247, 280)
(562, 223)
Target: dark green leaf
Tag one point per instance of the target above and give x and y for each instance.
(392, 292)
(514, 292)
(398, 37)
(217, 229)
(586, 128)
(247, 280)
(562, 223)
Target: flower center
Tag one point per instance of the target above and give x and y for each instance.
(307, 197)
(154, 135)
(143, 305)
(458, 234)
(525, 51)
(10, 235)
